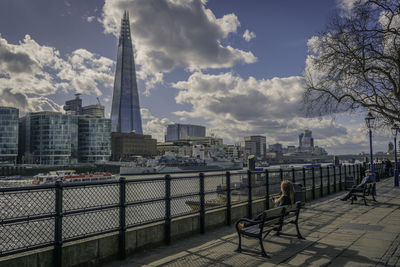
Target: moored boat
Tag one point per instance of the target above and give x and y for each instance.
(69, 176)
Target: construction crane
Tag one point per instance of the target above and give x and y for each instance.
(98, 100)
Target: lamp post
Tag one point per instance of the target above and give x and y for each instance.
(395, 130)
(369, 121)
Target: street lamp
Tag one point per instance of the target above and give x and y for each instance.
(369, 121)
(395, 130)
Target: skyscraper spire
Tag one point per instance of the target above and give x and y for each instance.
(125, 110)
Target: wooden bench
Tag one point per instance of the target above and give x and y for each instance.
(270, 220)
(363, 193)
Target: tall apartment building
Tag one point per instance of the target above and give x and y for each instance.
(8, 135)
(176, 132)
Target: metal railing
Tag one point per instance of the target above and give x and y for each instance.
(34, 217)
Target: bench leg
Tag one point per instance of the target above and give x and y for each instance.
(262, 248)
(365, 201)
(373, 197)
(298, 231)
(239, 249)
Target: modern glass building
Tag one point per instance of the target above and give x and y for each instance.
(176, 132)
(94, 139)
(8, 135)
(51, 138)
(125, 110)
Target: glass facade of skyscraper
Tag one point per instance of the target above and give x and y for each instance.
(8, 135)
(53, 138)
(125, 110)
(94, 139)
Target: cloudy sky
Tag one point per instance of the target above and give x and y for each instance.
(234, 66)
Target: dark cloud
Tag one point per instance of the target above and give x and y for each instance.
(15, 62)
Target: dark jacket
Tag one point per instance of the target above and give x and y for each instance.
(285, 200)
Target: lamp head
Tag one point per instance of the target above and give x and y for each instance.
(395, 129)
(370, 119)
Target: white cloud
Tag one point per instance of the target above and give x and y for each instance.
(90, 18)
(30, 72)
(153, 125)
(234, 107)
(248, 35)
(175, 33)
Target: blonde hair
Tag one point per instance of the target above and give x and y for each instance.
(287, 189)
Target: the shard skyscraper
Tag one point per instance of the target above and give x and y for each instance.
(125, 110)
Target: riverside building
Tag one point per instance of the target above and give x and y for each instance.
(94, 139)
(8, 135)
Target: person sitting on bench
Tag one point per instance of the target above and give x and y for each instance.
(369, 178)
(287, 194)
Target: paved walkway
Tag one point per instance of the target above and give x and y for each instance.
(336, 234)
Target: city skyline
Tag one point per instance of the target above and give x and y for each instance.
(233, 67)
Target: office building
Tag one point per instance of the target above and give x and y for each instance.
(94, 139)
(125, 110)
(8, 135)
(176, 132)
(128, 145)
(306, 140)
(49, 138)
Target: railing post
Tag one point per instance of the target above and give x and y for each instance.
(304, 183)
(329, 180)
(322, 185)
(281, 174)
(228, 198)
(122, 221)
(293, 176)
(313, 183)
(167, 209)
(267, 188)
(58, 224)
(202, 202)
(340, 178)
(250, 198)
(334, 179)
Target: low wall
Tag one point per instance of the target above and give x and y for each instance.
(103, 248)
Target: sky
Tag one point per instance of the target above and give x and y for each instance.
(233, 66)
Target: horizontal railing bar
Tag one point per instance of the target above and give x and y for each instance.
(129, 181)
(91, 209)
(86, 184)
(26, 218)
(28, 188)
(90, 235)
(144, 223)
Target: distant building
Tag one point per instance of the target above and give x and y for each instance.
(276, 148)
(176, 132)
(93, 110)
(198, 152)
(127, 145)
(74, 106)
(94, 139)
(49, 138)
(390, 148)
(232, 151)
(306, 140)
(255, 145)
(8, 135)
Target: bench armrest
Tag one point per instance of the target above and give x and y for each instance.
(247, 222)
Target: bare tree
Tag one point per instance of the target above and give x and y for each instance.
(355, 62)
